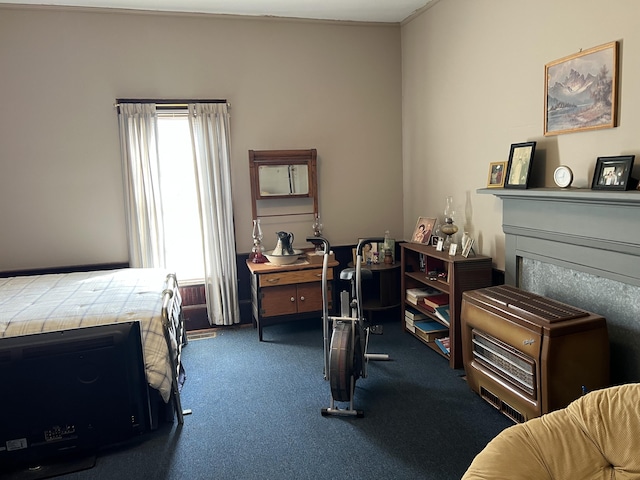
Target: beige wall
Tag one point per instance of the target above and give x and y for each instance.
(401, 117)
(291, 84)
(473, 84)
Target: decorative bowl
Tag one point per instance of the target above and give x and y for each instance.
(283, 259)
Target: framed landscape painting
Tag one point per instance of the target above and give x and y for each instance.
(581, 91)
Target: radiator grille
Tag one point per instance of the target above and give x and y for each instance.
(193, 295)
(504, 407)
(504, 361)
(526, 303)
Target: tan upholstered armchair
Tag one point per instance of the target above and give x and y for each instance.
(596, 437)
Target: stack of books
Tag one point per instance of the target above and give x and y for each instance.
(416, 295)
(411, 316)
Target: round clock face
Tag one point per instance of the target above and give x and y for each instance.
(563, 176)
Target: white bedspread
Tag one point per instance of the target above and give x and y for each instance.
(34, 304)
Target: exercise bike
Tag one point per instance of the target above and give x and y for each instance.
(345, 352)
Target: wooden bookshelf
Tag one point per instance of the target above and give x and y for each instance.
(453, 276)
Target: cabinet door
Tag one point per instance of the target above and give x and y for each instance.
(309, 297)
(278, 300)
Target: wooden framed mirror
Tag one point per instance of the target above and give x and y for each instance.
(282, 174)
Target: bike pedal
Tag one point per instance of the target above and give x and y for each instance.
(376, 329)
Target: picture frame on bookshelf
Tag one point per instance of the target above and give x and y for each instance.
(519, 165)
(613, 173)
(466, 248)
(496, 174)
(423, 230)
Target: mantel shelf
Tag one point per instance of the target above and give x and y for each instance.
(579, 195)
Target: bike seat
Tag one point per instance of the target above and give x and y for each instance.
(350, 273)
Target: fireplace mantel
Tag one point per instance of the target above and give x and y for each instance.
(593, 231)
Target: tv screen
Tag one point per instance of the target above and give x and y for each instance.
(71, 392)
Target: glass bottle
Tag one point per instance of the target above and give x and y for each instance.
(448, 228)
(388, 255)
(317, 232)
(256, 254)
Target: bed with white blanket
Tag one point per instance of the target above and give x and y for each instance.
(33, 304)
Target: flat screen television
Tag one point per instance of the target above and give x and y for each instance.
(69, 393)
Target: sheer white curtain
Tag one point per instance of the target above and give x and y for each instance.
(141, 175)
(209, 125)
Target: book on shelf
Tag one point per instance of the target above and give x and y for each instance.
(415, 295)
(444, 344)
(430, 326)
(435, 301)
(413, 314)
(442, 313)
(429, 331)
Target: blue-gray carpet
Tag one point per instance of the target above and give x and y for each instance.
(256, 415)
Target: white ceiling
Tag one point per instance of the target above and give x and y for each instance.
(352, 10)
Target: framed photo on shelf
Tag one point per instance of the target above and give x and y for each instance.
(466, 248)
(496, 174)
(422, 232)
(581, 91)
(519, 165)
(613, 173)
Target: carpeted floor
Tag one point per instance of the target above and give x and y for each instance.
(256, 415)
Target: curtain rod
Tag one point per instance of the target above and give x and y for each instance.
(168, 103)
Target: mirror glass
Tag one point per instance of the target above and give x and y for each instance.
(277, 180)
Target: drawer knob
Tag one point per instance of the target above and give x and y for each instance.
(293, 299)
(302, 299)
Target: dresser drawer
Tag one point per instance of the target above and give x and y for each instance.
(294, 277)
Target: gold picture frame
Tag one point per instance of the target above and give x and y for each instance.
(496, 174)
(424, 229)
(581, 91)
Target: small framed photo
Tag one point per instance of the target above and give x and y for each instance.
(440, 244)
(422, 232)
(519, 166)
(453, 248)
(496, 174)
(435, 240)
(613, 173)
(466, 248)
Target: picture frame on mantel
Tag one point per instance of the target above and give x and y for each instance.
(613, 173)
(496, 174)
(581, 91)
(519, 165)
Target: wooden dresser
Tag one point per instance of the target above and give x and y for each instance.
(288, 293)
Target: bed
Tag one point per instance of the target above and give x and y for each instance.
(51, 302)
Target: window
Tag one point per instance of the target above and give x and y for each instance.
(183, 234)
